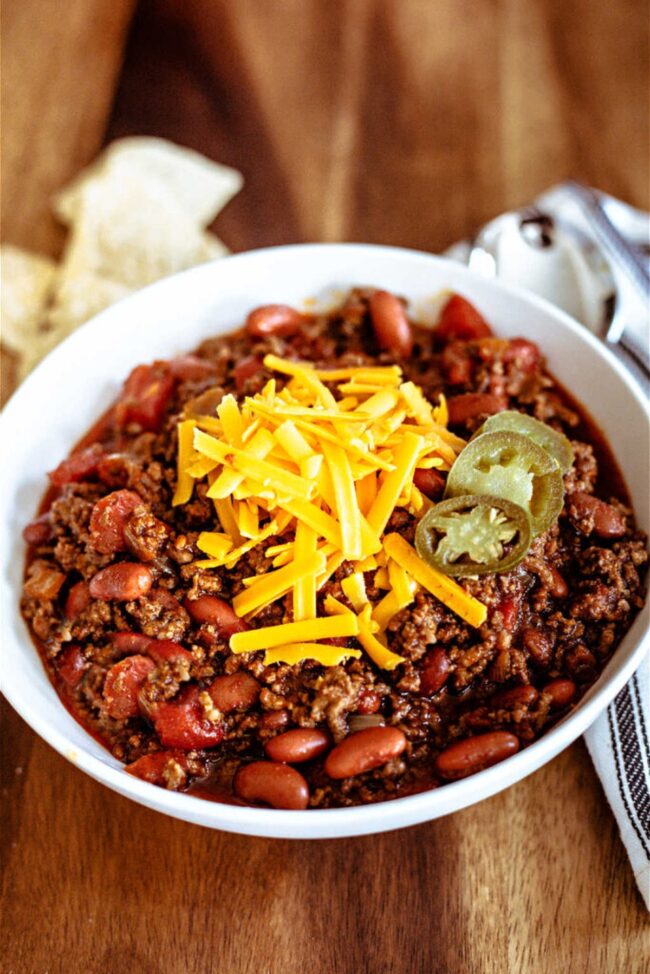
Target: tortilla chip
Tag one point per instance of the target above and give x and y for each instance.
(26, 282)
(80, 298)
(200, 187)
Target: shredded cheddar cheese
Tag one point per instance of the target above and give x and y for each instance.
(319, 460)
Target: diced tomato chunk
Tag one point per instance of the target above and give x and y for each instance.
(77, 467)
(182, 723)
(152, 767)
(188, 367)
(122, 684)
(457, 363)
(145, 396)
(109, 518)
(70, 665)
(526, 355)
(509, 607)
(78, 599)
(460, 320)
(43, 582)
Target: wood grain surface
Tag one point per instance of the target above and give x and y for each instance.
(405, 122)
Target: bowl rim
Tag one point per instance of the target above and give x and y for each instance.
(335, 822)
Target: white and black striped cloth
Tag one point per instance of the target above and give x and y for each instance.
(619, 745)
(618, 741)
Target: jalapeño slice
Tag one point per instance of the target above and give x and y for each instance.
(545, 436)
(473, 535)
(511, 466)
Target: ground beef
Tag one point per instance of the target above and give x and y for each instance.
(558, 615)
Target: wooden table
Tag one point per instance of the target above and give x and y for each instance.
(406, 122)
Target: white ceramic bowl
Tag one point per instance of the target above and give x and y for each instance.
(78, 380)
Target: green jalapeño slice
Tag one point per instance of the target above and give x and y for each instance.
(472, 535)
(511, 466)
(545, 436)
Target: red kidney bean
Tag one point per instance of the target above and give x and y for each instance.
(245, 369)
(121, 582)
(237, 691)
(152, 767)
(190, 367)
(557, 586)
(359, 722)
(369, 702)
(475, 753)
(537, 645)
(430, 482)
(77, 467)
(115, 469)
(523, 696)
(216, 612)
(581, 663)
(298, 745)
(145, 396)
(275, 784)
(509, 608)
(471, 405)
(607, 521)
(38, 531)
(274, 319)
(363, 751)
(434, 673)
(274, 720)
(78, 600)
(43, 582)
(459, 320)
(122, 684)
(390, 324)
(561, 692)
(526, 355)
(130, 642)
(70, 665)
(108, 520)
(182, 722)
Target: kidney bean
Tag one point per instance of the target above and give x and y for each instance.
(604, 520)
(363, 751)
(121, 582)
(122, 684)
(523, 696)
(369, 702)
(237, 691)
(77, 467)
(108, 520)
(155, 768)
(430, 482)
(459, 320)
(43, 582)
(145, 396)
(471, 405)
(457, 363)
(130, 642)
(561, 692)
(168, 651)
(581, 663)
(216, 612)
(245, 369)
(190, 367)
(298, 745)
(538, 645)
(475, 753)
(38, 531)
(78, 600)
(182, 722)
(434, 673)
(115, 469)
(70, 665)
(273, 721)
(274, 319)
(557, 586)
(390, 324)
(275, 784)
(526, 355)
(359, 722)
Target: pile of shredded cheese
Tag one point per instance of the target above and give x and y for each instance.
(324, 460)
